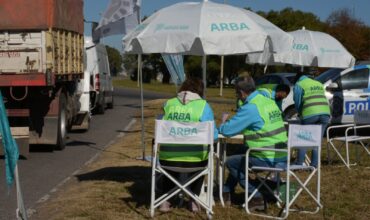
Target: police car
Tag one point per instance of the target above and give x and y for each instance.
(346, 90)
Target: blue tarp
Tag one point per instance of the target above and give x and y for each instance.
(175, 65)
(10, 146)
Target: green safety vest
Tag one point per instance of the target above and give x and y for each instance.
(314, 101)
(273, 133)
(268, 88)
(264, 87)
(191, 112)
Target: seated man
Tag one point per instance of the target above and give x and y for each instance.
(259, 120)
(188, 106)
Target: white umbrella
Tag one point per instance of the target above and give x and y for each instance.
(205, 28)
(310, 48)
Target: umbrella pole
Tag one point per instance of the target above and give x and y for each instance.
(21, 211)
(204, 67)
(222, 74)
(140, 68)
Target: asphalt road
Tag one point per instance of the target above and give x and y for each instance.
(44, 170)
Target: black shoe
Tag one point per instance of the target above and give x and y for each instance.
(227, 198)
(257, 204)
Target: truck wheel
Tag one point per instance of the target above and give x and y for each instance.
(101, 108)
(110, 105)
(62, 123)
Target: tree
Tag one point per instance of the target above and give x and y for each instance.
(115, 60)
(291, 20)
(351, 32)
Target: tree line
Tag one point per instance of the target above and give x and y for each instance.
(341, 24)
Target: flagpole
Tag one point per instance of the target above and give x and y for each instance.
(222, 70)
(140, 74)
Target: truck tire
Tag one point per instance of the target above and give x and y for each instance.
(110, 105)
(101, 107)
(62, 123)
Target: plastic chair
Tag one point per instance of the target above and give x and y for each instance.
(351, 135)
(172, 132)
(300, 136)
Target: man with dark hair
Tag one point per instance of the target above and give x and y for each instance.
(276, 92)
(259, 120)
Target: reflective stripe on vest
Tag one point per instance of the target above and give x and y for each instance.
(272, 134)
(314, 101)
(191, 112)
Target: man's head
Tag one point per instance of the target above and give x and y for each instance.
(244, 86)
(282, 92)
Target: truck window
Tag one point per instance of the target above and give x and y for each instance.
(356, 79)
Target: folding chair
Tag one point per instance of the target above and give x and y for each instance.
(351, 135)
(171, 132)
(300, 137)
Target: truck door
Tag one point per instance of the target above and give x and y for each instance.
(353, 94)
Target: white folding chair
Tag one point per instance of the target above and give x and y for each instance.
(299, 137)
(171, 132)
(351, 135)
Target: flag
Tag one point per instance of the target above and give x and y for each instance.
(10, 146)
(175, 65)
(120, 17)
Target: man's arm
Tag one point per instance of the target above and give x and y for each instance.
(246, 117)
(297, 97)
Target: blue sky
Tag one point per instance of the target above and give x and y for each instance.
(321, 8)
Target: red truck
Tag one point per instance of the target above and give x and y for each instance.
(42, 68)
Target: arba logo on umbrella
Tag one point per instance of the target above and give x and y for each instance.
(301, 47)
(229, 27)
(168, 27)
(324, 50)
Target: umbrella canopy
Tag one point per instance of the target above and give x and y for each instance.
(205, 28)
(310, 48)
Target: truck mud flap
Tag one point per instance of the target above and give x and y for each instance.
(48, 135)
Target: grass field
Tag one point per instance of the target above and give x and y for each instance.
(117, 185)
(211, 92)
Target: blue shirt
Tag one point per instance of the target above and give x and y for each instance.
(298, 94)
(247, 116)
(209, 116)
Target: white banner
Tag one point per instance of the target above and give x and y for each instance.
(120, 17)
(304, 135)
(172, 132)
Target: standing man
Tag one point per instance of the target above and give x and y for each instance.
(259, 120)
(312, 107)
(276, 92)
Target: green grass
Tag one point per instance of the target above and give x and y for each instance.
(117, 185)
(211, 92)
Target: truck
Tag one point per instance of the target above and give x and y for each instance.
(42, 69)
